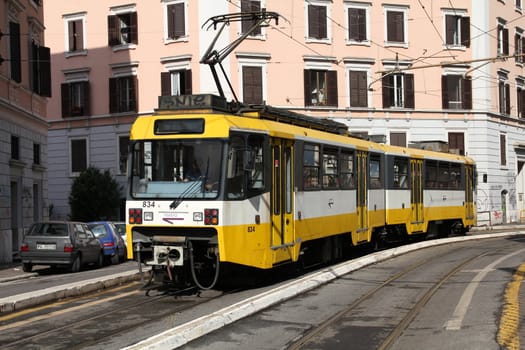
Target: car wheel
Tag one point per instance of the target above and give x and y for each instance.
(100, 262)
(75, 266)
(115, 258)
(27, 267)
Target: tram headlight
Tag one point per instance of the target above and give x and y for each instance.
(211, 216)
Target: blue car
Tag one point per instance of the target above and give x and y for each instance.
(114, 245)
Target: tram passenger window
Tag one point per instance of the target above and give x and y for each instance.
(375, 173)
(346, 160)
(400, 173)
(311, 167)
(235, 168)
(431, 175)
(455, 176)
(256, 172)
(330, 169)
(443, 175)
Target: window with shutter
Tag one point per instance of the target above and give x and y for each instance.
(395, 24)
(502, 39)
(176, 20)
(75, 35)
(14, 52)
(358, 89)
(252, 89)
(398, 90)
(75, 99)
(122, 29)
(78, 155)
(320, 87)
(456, 143)
(246, 7)
(317, 22)
(123, 94)
(503, 149)
(457, 30)
(357, 24)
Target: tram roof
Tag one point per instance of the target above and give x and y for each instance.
(214, 103)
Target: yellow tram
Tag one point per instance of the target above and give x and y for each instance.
(220, 184)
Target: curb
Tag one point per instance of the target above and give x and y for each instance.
(25, 300)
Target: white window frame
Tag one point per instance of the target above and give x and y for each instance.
(499, 37)
(361, 67)
(263, 35)
(366, 7)
(75, 17)
(404, 9)
(122, 10)
(254, 61)
(165, 4)
(175, 63)
(458, 13)
(328, 5)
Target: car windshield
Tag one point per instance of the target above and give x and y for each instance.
(48, 229)
(176, 168)
(99, 230)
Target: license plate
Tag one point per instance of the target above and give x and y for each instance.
(46, 246)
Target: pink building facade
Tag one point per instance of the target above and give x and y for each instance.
(402, 72)
(24, 92)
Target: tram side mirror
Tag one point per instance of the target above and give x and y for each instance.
(249, 160)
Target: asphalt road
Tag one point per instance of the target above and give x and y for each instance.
(449, 293)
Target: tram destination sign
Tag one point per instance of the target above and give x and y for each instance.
(201, 101)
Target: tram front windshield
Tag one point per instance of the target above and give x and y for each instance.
(176, 168)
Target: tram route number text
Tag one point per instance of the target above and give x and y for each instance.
(251, 228)
(148, 204)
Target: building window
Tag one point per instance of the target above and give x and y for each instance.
(503, 149)
(36, 153)
(123, 144)
(14, 52)
(358, 24)
(78, 155)
(122, 29)
(504, 97)
(252, 85)
(457, 30)
(503, 39)
(456, 92)
(358, 88)
(396, 25)
(248, 6)
(75, 40)
(175, 20)
(521, 101)
(456, 143)
(320, 88)
(317, 21)
(41, 69)
(123, 94)
(75, 99)
(176, 82)
(398, 139)
(398, 90)
(519, 47)
(15, 147)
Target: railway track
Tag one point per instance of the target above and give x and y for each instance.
(92, 320)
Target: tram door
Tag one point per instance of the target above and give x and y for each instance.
(416, 191)
(282, 193)
(469, 191)
(362, 196)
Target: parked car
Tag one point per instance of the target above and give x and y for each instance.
(60, 244)
(138, 238)
(114, 246)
